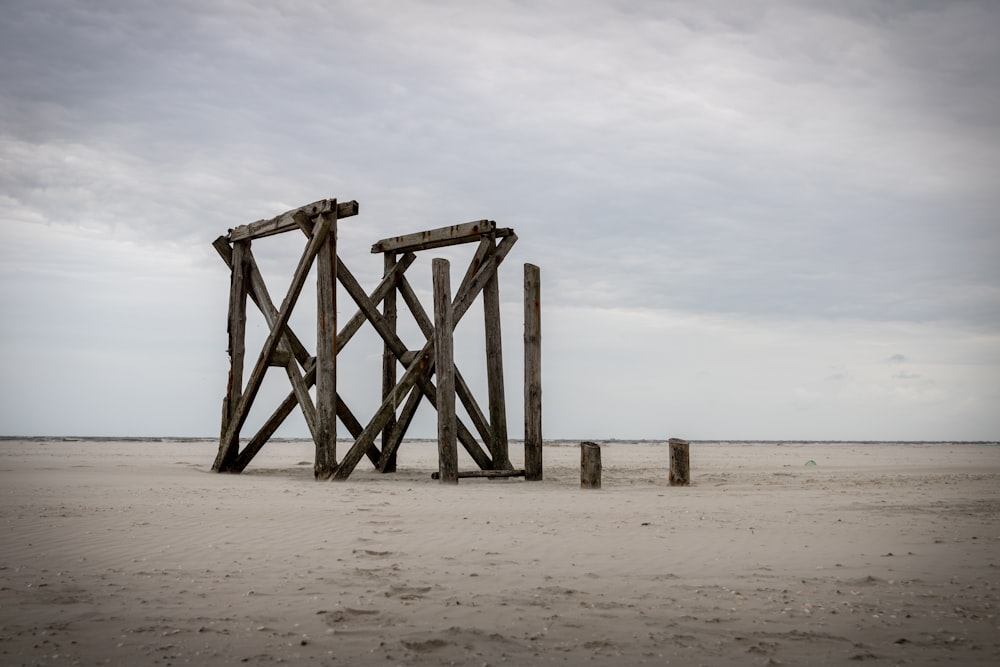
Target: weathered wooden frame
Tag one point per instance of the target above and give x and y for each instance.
(318, 221)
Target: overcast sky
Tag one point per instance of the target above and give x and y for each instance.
(754, 220)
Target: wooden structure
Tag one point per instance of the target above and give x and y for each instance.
(428, 372)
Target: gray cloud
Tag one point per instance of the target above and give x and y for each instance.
(777, 160)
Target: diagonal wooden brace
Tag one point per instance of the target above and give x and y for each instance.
(423, 362)
(343, 412)
(461, 386)
(397, 347)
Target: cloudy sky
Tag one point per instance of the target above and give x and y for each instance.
(755, 220)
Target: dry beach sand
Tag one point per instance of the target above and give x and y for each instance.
(134, 553)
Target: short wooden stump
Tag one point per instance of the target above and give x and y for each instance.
(590, 465)
(680, 462)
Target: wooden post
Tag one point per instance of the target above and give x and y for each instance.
(444, 368)
(494, 375)
(532, 373)
(237, 328)
(680, 462)
(326, 354)
(590, 465)
(389, 365)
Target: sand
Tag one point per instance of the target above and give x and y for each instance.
(135, 553)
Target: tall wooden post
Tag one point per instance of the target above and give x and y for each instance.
(237, 328)
(389, 364)
(326, 354)
(680, 462)
(590, 465)
(532, 373)
(444, 369)
(494, 375)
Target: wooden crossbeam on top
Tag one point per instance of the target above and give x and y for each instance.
(286, 221)
(441, 237)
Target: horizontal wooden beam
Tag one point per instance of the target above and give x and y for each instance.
(440, 237)
(491, 474)
(286, 221)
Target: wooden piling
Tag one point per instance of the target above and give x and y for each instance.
(237, 327)
(326, 353)
(389, 366)
(532, 373)
(680, 462)
(444, 369)
(590, 465)
(494, 375)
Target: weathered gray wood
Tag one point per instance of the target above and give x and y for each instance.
(423, 381)
(231, 438)
(490, 474)
(389, 364)
(325, 437)
(468, 292)
(302, 396)
(286, 221)
(403, 420)
(421, 368)
(680, 462)
(374, 427)
(494, 375)
(444, 368)
(590, 465)
(532, 373)
(378, 294)
(258, 291)
(487, 246)
(281, 413)
(256, 443)
(440, 237)
(280, 357)
(260, 296)
(461, 386)
(228, 451)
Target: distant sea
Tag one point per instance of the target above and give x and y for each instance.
(548, 443)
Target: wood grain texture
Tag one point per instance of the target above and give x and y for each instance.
(325, 432)
(680, 462)
(590, 465)
(532, 372)
(440, 237)
(286, 221)
(231, 437)
(444, 368)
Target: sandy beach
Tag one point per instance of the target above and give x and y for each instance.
(133, 552)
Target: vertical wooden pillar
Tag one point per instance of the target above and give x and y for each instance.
(389, 364)
(444, 369)
(326, 354)
(532, 373)
(590, 465)
(680, 462)
(237, 328)
(494, 375)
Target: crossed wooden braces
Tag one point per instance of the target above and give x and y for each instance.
(318, 221)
